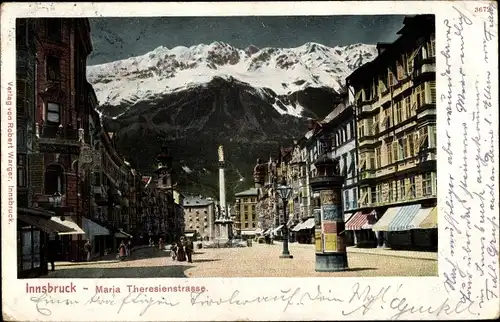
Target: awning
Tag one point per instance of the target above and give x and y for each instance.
(308, 224)
(403, 220)
(430, 221)
(248, 233)
(383, 223)
(358, 221)
(122, 234)
(93, 229)
(277, 229)
(297, 227)
(68, 222)
(348, 216)
(44, 224)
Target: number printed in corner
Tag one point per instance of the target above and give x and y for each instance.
(482, 9)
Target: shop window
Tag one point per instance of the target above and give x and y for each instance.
(53, 113)
(53, 68)
(30, 245)
(54, 176)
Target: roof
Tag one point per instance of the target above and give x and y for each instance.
(249, 192)
(196, 201)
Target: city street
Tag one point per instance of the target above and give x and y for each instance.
(258, 261)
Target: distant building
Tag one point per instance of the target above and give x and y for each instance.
(199, 216)
(246, 218)
(395, 101)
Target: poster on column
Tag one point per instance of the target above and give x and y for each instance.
(330, 242)
(332, 212)
(329, 197)
(318, 241)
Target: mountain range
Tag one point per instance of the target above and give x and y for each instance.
(192, 99)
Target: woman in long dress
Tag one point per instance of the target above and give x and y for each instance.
(181, 254)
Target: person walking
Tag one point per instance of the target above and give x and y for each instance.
(150, 242)
(161, 244)
(129, 247)
(88, 249)
(122, 251)
(173, 249)
(51, 255)
(189, 250)
(181, 254)
(127, 250)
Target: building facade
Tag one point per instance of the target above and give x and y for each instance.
(395, 101)
(246, 217)
(62, 124)
(199, 216)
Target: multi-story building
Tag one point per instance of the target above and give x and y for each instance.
(395, 101)
(62, 126)
(199, 217)
(246, 215)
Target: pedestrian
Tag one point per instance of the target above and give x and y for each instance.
(173, 249)
(127, 250)
(88, 249)
(189, 250)
(181, 254)
(161, 244)
(150, 242)
(129, 246)
(122, 251)
(51, 254)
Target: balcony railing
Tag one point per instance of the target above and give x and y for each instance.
(57, 132)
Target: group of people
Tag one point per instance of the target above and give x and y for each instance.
(182, 250)
(124, 250)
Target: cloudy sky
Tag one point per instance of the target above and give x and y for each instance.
(119, 38)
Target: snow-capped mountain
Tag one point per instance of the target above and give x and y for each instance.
(284, 71)
(193, 99)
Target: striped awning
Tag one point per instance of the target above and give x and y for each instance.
(404, 218)
(430, 221)
(360, 221)
(422, 213)
(383, 223)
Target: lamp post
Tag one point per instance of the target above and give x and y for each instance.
(56, 201)
(284, 193)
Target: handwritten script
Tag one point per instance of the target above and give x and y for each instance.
(470, 148)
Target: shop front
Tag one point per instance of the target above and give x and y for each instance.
(360, 225)
(409, 227)
(33, 228)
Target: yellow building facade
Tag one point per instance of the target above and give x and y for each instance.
(395, 101)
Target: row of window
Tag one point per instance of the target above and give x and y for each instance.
(403, 109)
(411, 187)
(398, 71)
(405, 146)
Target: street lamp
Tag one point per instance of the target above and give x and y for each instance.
(56, 201)
(284, 192)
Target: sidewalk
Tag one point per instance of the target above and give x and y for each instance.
(110, 258)
(433, 256)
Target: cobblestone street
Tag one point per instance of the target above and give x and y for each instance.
(257, 261)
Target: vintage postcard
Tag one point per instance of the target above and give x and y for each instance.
(250, 161)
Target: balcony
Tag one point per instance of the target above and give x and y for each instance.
(58, 139)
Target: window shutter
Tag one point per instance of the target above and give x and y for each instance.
(418, 185)
(432, 89)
